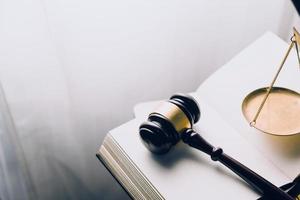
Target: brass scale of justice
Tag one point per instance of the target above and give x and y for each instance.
(275, 110)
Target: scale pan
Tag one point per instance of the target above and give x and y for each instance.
(279, 116)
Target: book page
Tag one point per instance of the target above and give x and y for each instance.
(186, 173)
(255, 68)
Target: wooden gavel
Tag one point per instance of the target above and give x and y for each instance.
(173, 121)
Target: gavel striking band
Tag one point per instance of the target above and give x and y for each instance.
(174, 121)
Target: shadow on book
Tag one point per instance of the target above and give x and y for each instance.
(288, 146)
(182, 152)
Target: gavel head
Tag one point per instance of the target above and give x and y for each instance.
(163, 128)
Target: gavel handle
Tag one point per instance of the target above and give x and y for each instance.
(260, 184)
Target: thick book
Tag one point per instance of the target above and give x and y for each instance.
(185, 173)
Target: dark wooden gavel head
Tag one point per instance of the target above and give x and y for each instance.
(163, 128)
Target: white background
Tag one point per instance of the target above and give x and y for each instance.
(72, 70)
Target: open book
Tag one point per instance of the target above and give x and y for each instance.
(185, 173)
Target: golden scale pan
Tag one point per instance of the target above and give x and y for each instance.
(275, 110)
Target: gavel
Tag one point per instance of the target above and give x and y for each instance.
(173, 121)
